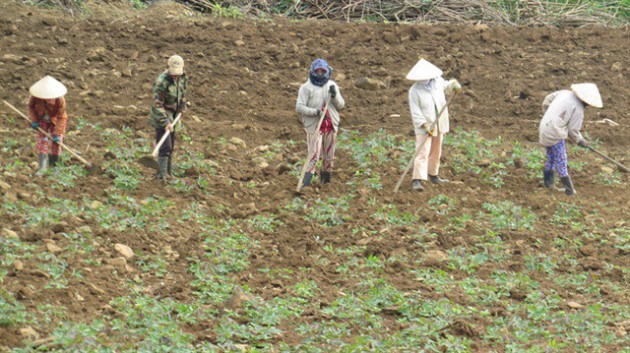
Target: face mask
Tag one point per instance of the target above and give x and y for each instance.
(429, 84)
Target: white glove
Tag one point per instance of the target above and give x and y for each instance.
(456, 85)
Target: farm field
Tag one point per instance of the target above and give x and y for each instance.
(228, 258)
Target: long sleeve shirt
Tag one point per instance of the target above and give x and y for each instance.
(563, 118)
(425, 105)
(40, 111)
(169, 98)
(311, 98)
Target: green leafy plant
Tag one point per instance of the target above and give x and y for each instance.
(12, 312)
(464, 260)
(55, 267)
(227, 11)
(329, 212)
(532, 159)
(264, 223)
(507, 215)
(63, 177)
(609, 179)
(568, 214)
(441, 204)
(391, 215)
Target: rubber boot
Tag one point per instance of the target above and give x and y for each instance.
(568, 185)
(325, 177)
(437, 180)
(53, 160)
(416, 184)
(548, 178)
(43, 164)
(162, 167)
(169, 168)
(307, 179)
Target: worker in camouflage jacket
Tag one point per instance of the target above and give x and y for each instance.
(169, 100)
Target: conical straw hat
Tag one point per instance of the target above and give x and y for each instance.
(423, 70)
(588, 93)
(48, 88)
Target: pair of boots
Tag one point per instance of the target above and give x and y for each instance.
(549, 181)
(45, 160)
(324, 177)
(416, 184)
(165, 167)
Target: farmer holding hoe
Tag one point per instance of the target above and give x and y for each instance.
(564, 113)
(429, 114)
(319, 101)
(169, 100)
(47, 113)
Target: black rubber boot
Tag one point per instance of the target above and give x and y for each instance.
(416, 184)
(53, 160)
(568, 185)
(437, 180)
(325, 177)
(307, 179)
(548, 178)
(43, 164)
(162, 167)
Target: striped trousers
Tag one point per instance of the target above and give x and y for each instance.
(321, 145)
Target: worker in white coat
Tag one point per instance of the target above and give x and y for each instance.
(564, 114)
(426, 99)
(318, 96)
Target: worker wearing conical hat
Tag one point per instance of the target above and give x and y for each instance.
(169, 99)
(564, 113)
(47, 110)
(426, 100)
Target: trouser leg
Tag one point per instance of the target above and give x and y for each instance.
(435, 153)
(314, 146)
(421, 163)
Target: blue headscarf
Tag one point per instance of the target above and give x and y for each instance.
(319, 80)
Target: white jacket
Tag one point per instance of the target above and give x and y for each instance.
(425, 105)
(563, 118)
(311, 98)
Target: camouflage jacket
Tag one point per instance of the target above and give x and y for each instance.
(169, 98)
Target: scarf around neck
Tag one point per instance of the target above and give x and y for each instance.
(319, 80)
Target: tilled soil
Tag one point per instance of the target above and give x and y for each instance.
(244, 80)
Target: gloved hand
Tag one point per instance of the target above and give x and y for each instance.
(456, 85)
(35, 125)
(333, 91)
(583, 143)
(56, 139)
(427, 127)
(318, 113)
